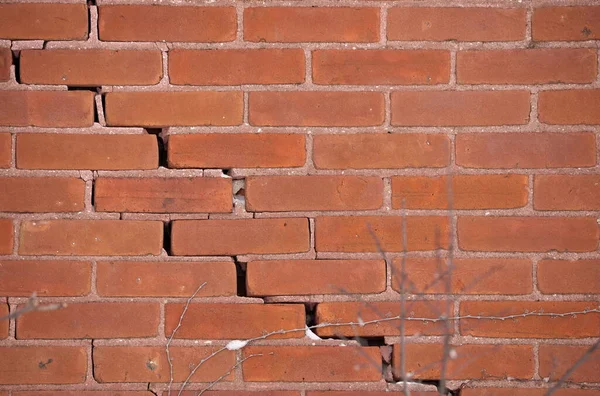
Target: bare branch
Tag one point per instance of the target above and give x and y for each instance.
(33, 305)
(574, 367)
(229, 372)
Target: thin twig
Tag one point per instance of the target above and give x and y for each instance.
(403, 304)
(574, 367)
(32, 305)
(229, 372)
(185, 308)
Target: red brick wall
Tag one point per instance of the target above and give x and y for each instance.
(273, 152)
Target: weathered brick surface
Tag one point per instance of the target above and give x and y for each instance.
(221, 170)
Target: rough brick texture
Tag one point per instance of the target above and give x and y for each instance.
(299, 198)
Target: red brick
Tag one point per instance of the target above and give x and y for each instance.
(91, 237)
(468, 192)
(222, 321)
(468, 276)
(61, 109)
(355, 151)
(316, 108)
(82, 393)
(311, 24)
(577, 326)
(37, 21)
(43, 365)
(460, 108)
(165, 279)
(163, 195)
(303, 277)
(526, 150)
(527, 66)
(41, 194)
(92, 320)
(312, 364)
(149, 364)
(238, 393)
(569, 106)
(166, 23)
(358, 393)
(346, 312)
(236, 150)
(569, 277)
(528, 234)
(94, 67)
(6, 236)
(46, 278)
(524, 392)
(462, 24)
(566, 192)
(242, 236)
(366, 67)
(555, 360)
(82, 151)
(290, 193)
(472, 362)
(5, 150)
(3, 323)
(566, 23)
(162, 109)
(5, 63)
(351, 234)
(236, 66)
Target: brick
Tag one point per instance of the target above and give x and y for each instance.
(555, 360)
(566, 23)
(239, 393)
(528, 234)
(82, 393)
(462, 24)
(243, 236)
(460, 108)
(346, 312)
(524, 392)
(357, 393)
(316, 108)
(43, 365)
(566, 192)
(468, 192)
(163, 109)
(5, 63)
(37, 21)
(572, 326)
(351, 234)
(165, 279)
(366, 67)
(311, 24)
(222, 321)
(312, 364)
(3, 323)
(6, 236)
(150, 364)
(166, 23)
(527, 66)
(93, 67)
(467, 276)
(303, 277)
(569, 277)
(60, 109)
(291, 193)
(83, 151)
(355, 151)
(163, 195)
(472, 361)
(5, 150)
(92, 320)
(236, 66)
(237, 150)
(569, 106)
(41, 194)
(46, 278)
(91, 237)
(525, 150)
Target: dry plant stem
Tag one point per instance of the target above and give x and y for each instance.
(574, 367)
(32, 305)
(229, 372)
(403, 304)
(168, 351)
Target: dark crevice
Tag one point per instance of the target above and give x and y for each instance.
(17, 63)
(93, 365)
(93, 89)
(162, 146)
(240, 270)
(93, 197)
(311, 314)
(167, 237)
(374, 341)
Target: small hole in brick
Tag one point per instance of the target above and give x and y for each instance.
(71, 88)
(167, 237)
(17, 63)
(311, 314)
(240, 269)
(162, 146)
